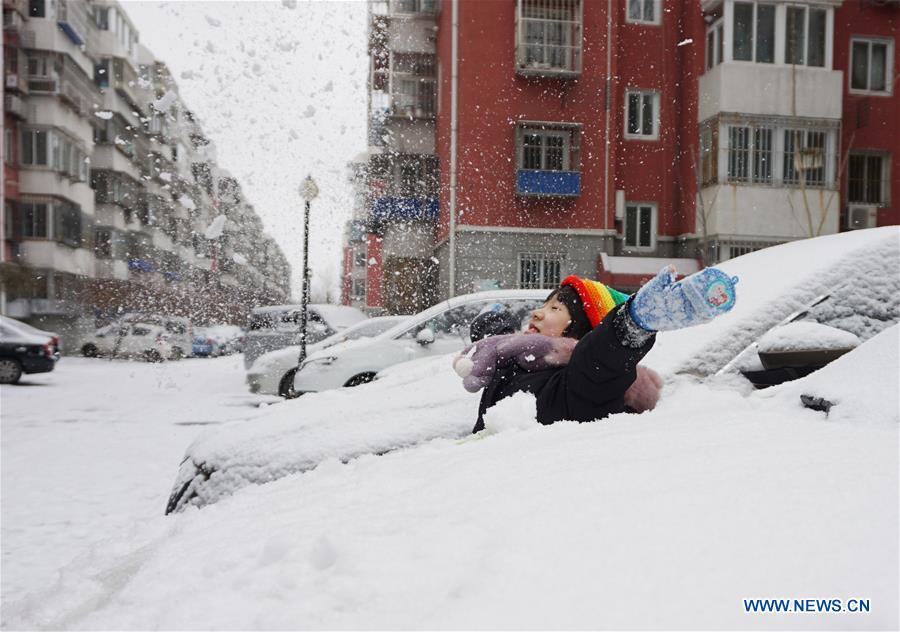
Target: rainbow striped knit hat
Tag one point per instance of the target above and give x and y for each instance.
(597, 299)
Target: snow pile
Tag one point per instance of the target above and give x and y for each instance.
(803, 335)
(660, 521)
(861, 386)
(401, 410)
(850, 266)
(518, 412)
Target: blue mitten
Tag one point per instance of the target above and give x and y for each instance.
(663, 305)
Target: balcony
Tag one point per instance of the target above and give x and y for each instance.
(14, 105)
(27, 307)
(723, 89)
(530, 182)
(548, 38)
(388, 209)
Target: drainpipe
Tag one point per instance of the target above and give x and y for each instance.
(608, 105)
(454, 94)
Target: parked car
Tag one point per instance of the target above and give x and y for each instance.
(176, 337)
(27, 329)
(273, 373)
(440, 329)
(23, 352)
(278, 326)
(216, 340)
(135, 339)
(413, 405)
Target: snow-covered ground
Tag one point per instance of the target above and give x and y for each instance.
(669, 519)
(90, 450)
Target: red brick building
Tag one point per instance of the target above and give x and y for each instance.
(645, 131)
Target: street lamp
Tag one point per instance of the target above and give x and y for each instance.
(308, 191)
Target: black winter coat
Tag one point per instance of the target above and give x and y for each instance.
(592, 386)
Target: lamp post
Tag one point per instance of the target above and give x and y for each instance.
(308, 191)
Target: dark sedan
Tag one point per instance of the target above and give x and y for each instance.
(23, 354)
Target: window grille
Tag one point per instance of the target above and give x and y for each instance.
(539, 271)
(548, 36)
(805, 157)
(865, 179)
(738, 153)
(546, 148)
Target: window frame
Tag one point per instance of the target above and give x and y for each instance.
(716, 51)
(571, 135)
(888, 66)
(567, 22)
(806, 43)
(884, 189)
(642, 92)
(638, 207)
(656, 5)
(754, 32)
(541, 259)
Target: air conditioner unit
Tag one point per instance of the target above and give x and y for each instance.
(12, 81)
(861, 217)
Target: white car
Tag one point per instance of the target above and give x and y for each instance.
(149, 341)
(278, 326)
(176, 331)
(273, 372)
(439, 330)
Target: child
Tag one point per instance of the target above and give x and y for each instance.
(580, 351)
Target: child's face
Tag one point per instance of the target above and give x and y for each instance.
(551, 319)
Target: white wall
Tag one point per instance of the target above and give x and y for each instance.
(45, 182)
(49, 254)
(756, 211)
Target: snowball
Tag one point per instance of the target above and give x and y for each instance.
(517, 412)
(215, 228)
(187, 202)
(239, 259)
(372, 261)
(103, 114)
(165, 176)
(685, 42)
(165, 102)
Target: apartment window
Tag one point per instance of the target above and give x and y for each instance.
(805, 36)
(539, 271)
(870, 65)
(643, 11)
(805, 157)
(360, 260)
(548, 149)
(358, 289)
(639, 226)
(101, 73)
(67, 228)
(413, 85)
(8, 157)
(101, 18)
(715, 36)
(549, 36)
(709, 154)
(34, 219)
(37, 8)
(641, 114)
(750, 154)
(754, 32)
(34, 147)
(866, 181)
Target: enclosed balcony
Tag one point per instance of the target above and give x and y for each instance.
(548, 38)
(548, 159)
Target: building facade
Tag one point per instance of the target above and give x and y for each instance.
(112, 196)
(607, 138)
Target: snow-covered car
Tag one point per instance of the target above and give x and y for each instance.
(176, 337)
(438, 330)
(135, 339)
(856, 271)
(278, 326)
(28, 330)
(24, 352)
(273, 373)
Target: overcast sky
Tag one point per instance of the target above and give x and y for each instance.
(280, 87)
